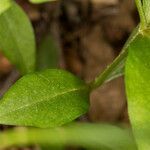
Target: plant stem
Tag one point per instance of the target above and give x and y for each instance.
(120, 60)
(109, 70)
(141, 13)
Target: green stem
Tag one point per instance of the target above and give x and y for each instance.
(109, 70)
(103, 77)
(141, 13)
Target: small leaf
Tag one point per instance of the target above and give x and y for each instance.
(41, 1)
(47, 56)
(4, 5)
(137, 76)
(94, 136)
(46, 99)
(17, 39)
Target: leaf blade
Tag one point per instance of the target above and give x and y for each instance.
(57, 98)
(17, 40)
(137, 88)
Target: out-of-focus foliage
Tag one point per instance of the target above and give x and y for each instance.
(94, 136)
(41, 1)
(48, 54)
(17, 40)
(4, 5)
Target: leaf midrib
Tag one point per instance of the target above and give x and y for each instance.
(35, 103)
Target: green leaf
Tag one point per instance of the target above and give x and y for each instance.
(47, 56)
(17, 39)
(41, 1)
(137, 76)
(94, 136)
(146, 9)
(4, 5)
(46, 99)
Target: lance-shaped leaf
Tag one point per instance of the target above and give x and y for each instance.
(46, 99)
(137, 75)
(17, 39)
